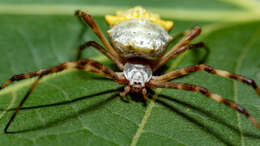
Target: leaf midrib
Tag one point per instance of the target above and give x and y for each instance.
(209, 29)
(157, 92)
(102, 59)
(174, 67)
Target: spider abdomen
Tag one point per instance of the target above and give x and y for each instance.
(139, 38)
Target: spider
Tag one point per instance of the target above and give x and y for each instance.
(138, 39)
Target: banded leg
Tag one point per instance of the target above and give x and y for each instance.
(203, 67)
(102, 50)
(92, 24)
(204, 91)
(189, 35)
(86, 65)
(21, 104)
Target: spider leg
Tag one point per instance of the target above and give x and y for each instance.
(204, 91)
(181, 34)
(85, 64)
(126, 91)
(102, 50)
(144, 92)
(203, 67)
(181, 46)
(89, 20)
(21, 103)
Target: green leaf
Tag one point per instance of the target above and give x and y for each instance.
(70, 108)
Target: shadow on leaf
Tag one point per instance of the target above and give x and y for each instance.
(61, 120)
(205, 113)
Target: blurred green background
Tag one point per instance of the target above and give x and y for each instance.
(39, 34)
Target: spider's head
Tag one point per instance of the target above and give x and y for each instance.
(137, 75)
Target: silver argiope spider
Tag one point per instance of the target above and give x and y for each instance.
(138, 43)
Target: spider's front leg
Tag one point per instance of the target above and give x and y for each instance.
(203, 67)
(204, 91)
(92, 24)
(85, 64)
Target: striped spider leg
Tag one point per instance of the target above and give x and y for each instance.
(203, 67)
(102, 50)
(161, 82)
(85, 64)
(182, 46)
(111, 54)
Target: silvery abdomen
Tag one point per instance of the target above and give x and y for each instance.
(139, 38)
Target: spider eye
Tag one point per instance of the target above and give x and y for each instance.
(137, 83)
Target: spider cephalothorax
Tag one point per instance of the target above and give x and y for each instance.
(139, 39)
(137, 75)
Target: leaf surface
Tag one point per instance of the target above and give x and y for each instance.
(70, 108)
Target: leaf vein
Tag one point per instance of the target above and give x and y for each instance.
(237, 68)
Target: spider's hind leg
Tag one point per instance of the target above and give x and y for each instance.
(203, 67)
(204, 91)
